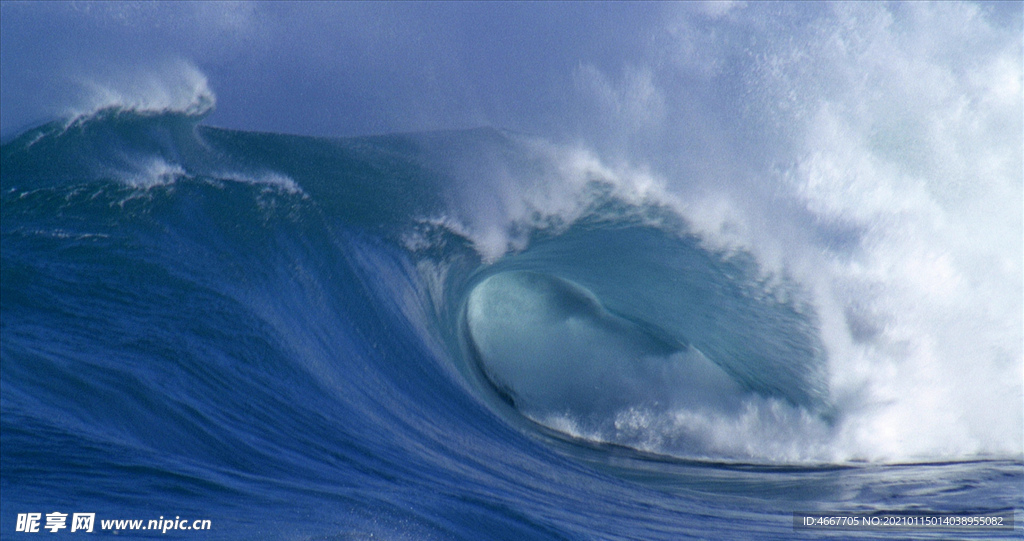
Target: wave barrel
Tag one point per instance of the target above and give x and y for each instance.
(551, 348)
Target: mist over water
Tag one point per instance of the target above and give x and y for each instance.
(872, 156)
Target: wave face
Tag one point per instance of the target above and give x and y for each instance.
(453, 335)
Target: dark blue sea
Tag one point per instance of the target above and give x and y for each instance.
(390, 338)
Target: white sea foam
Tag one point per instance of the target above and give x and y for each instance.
(764, 430)
(173, 87)
(271, 179)
(892, 192)
(155, 171)
(915, 143)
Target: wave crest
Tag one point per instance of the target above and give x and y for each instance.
(178, 88)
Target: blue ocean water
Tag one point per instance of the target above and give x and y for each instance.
(309, 338)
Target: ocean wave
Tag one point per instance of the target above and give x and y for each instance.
(793, 283)
(799, 352)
